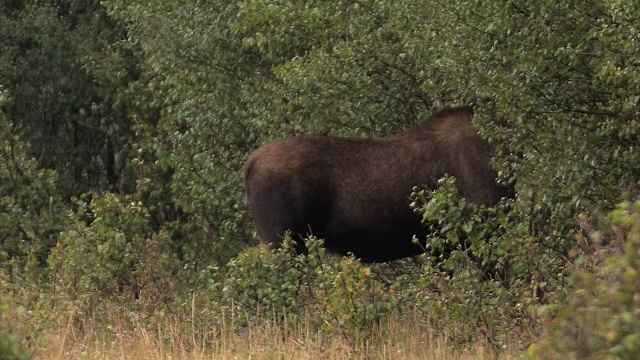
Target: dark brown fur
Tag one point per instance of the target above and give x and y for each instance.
(354, 192)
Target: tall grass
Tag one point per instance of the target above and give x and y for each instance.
(406, 338)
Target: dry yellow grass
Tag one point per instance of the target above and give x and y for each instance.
(402, 339)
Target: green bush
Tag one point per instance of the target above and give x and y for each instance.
(602, 317)
(31, 211)
(483, 273)
(333, 295)
(110, 252)
(11, 347)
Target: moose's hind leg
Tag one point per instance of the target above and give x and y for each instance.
(274, 216)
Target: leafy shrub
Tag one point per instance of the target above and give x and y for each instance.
(602, 316)
(110, 252)
(483, 272)
(11, 347)
(334, 295)
(31, 213)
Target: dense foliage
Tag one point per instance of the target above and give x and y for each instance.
(336, 296)
(602, 316)
(124, 127)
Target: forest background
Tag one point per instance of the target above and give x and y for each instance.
(124, 127)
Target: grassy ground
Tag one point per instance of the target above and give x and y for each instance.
(405, 339)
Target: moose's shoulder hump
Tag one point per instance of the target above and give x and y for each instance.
(445, 121)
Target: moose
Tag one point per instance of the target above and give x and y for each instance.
(354, 192)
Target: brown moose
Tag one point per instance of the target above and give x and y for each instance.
(354, 192)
